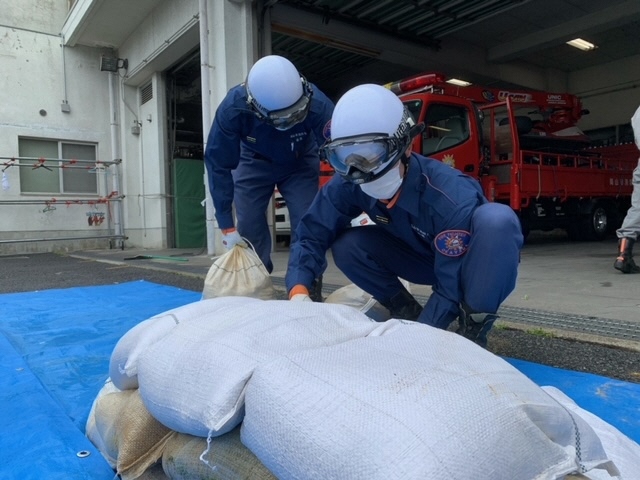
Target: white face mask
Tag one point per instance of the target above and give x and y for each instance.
(384, 187)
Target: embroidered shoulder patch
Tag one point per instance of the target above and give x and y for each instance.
(326, 131)
(452, 243)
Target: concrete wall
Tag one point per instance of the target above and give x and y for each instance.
(166, 35)
(38, 77)
(611, 92)
(43, 76)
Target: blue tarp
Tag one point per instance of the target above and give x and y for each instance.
(54, 353)
(54, 350)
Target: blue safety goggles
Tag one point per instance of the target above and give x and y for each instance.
(284, 118)
(363, 158)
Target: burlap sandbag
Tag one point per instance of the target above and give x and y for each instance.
(129, 433)
(154, 472)
(225, 459)
(238, 273)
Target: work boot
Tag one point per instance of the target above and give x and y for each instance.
(403, 306)
(625, 262)
(475, 326)
(315, 293)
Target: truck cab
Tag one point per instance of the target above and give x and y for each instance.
(526, 151)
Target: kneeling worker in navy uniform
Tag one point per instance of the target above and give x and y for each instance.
(433, 225)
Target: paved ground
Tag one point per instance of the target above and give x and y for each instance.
(571, 309)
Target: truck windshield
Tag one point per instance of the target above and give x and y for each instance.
(446, 127)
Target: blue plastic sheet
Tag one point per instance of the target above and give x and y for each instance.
(55, 347)
(614, 401)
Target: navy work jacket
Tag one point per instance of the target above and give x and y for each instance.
(237, 132)
(435, 198)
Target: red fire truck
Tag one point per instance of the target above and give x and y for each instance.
(526, 150)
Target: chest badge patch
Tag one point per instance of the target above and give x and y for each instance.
(452, 243)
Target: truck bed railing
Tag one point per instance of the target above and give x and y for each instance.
(530, 175)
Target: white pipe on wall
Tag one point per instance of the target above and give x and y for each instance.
(206, 120)
(115, 152)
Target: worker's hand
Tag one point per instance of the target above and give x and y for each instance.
(299, 293)
(300, 297)
(231, 238)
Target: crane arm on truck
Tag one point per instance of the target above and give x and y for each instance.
(558, 111)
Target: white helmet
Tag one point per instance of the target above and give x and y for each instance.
(277, 93)
(370, 131)
(366, 109)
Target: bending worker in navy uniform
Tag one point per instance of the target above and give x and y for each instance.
(266, 133)
(630, 229)
(433, 225)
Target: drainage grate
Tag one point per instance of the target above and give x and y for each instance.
(577, 323)
(541, 318)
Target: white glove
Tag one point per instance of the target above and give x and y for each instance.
(232, 238)
(300, 297)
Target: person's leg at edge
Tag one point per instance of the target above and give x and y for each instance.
(489, 269)
(629, 230)
(374, 259)
(252, 192)
(298, 189)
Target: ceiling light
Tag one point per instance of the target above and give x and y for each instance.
(581, 44)
(458, 82)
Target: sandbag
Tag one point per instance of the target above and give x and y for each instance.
(154, 472)
(104, 445)
(186, 457)
(127, 433)
(413, 402)
(239, 272)
(193, 380)
(623, 451)
(123, 363)
(357, 298)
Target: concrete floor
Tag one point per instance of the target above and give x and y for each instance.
(555, 275)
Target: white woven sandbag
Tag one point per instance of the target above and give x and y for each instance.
(239, 272)
(623, 451)
(193, 379)
(123, 363)
(413, 403)
(357, 298)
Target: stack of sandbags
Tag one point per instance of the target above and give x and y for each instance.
(331, 394)
(411, 402)
(194, 378)
(186, 370)
(137, 446)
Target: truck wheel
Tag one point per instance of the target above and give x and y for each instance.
(598, 222)
(593, 226)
